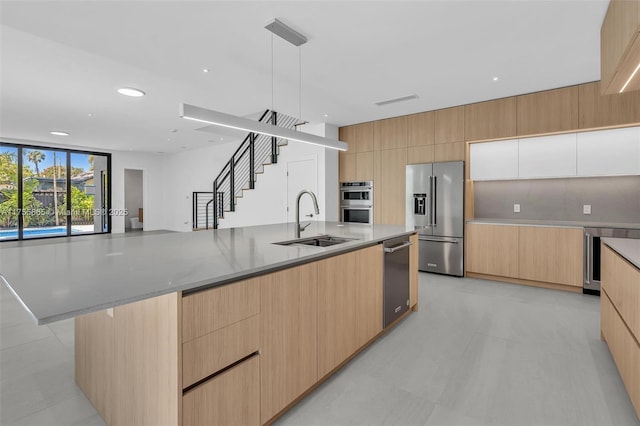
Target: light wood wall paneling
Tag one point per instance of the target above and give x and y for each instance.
(421, 129)
(148, 385)
(492, 249)
(621, 281)
(413, 273)
(624, 348)
(288, 336)
(449, 124)
(378, 187)
(358, 136)
(212, 352)
(551, 254)
(337, 277)
(619, 44)
(598, 110)
(390, 133)
(347, 164)
(393, 177)
(368, 294)
(490, 120)
(421, 154)
(210, 310)
(547, 112)
(94, 360)
(449, 151)
(364, 166)
(232, 398)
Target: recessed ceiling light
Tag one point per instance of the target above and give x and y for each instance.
(131, 91)
(59, 133)
(495, 79)
(326, 115)
(205, 70)
(89, 115)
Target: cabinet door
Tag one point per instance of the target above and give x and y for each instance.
(421, 129)
(364, 166)
(449, 125)
(231, 398)
(390, 133)
(609, 152)
(547, 112)
(494, 160)
(347, 166)
(391, 195)
(359, 137)
(492, 249)
(369, 264)
(548, 156)
(598, 110)
(490, 120)
(550, 254)
(337, 279)
(621, 282)
(288, 336)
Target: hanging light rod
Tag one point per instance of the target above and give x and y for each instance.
(191, 112)
(284, 31)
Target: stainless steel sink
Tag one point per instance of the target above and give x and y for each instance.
(317, 241)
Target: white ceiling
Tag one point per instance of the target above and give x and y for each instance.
(63, 60)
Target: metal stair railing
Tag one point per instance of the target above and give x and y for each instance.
(239, 174)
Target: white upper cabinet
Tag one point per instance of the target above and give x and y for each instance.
(494, 160)
(609, 152)
(547, 156)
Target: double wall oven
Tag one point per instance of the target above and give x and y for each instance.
(356, 202)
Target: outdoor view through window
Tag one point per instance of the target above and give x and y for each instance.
(47, 192)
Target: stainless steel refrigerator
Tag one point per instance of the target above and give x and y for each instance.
(435, 208)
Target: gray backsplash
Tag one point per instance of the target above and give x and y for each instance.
(613, 199)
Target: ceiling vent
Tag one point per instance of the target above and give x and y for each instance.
(394, 100)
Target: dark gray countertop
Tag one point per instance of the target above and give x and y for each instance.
(59, 280)
(625, 247)
(559, 223)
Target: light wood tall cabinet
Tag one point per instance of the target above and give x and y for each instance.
(620, 47)
(390, 192)
(390, 133)
(548, 112)
(490, 120)
(597, 110)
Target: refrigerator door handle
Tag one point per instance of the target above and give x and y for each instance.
(439, 240)
(434, 200)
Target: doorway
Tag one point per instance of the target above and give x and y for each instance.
(302, 174)
(133, 200)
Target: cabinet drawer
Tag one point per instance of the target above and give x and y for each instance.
(219, 307)
(621, 281)
(624, 348)
(231, 398)
(212, 352)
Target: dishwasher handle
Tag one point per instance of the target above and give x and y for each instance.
(398, 247)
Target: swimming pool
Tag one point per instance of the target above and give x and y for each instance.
(34, 232)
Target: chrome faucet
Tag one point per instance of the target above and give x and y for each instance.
(315, 206)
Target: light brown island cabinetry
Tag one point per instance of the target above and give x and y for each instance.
(620, 319)
(541, 256)
(241, 353)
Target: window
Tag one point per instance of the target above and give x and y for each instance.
(50, 192)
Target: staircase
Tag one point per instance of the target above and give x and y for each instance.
(239, 174)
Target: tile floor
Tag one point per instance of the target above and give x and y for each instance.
(477, 353)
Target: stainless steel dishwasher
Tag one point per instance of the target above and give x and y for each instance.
(396, 278)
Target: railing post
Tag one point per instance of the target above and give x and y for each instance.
(215, 207)
(252, 159)
(274, 140)
(232, 184)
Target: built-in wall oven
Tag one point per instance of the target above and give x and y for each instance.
(591, 283)
(356, 202)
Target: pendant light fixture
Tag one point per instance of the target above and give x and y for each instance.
(217, 118)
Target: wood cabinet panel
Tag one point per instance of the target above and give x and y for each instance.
(212, 352)
(421, 154)
(490, 120)
(391, 197)
(347, 167)
(598, 110)
(413, 272)
(368, 294)
(364, 166)
(358, 136)
(377, 187)
(492, 249)
(620, 46)
(547, 112)
(449, 125)
(449, 152)
(288, 336)
(624, 348)
(390, 133)
(336, 311)
(421, 128)
(210, 310)
(231, 398)
(551, 254)
(621, 281)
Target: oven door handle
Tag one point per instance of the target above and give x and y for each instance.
(587, 264)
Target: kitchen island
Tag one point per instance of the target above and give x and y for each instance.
(218, 327)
